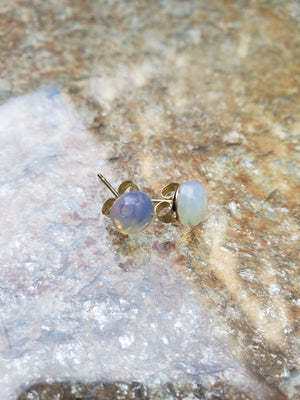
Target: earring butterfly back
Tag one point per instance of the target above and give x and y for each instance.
(186, 202)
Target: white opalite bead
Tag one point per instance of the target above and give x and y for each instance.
(191, 203)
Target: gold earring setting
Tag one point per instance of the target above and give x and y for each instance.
(131, 210)
(186, 202)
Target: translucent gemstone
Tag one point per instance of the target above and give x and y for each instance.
(132, 212)
(191, 203)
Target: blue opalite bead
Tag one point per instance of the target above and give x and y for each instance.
(132, 212)
(191, 203)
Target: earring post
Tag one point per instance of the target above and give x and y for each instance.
(160, 200)
(108, 185)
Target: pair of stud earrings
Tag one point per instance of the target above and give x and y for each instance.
(131, 210)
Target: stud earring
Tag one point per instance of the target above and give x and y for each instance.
(130, 211)
(186, 202)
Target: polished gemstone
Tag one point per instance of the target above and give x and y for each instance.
(132, 212)
(191, 203)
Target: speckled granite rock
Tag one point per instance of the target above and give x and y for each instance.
(155, 92)
(131, 390)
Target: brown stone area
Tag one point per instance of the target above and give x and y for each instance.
(130, 391)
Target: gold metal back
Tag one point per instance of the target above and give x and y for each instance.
(123, 188)
(127, 185)
(167, 204)
(107, 206)
(165, 217)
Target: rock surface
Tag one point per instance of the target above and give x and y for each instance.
(155, 92)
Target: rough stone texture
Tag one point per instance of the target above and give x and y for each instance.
(154, 92)
(129, 391)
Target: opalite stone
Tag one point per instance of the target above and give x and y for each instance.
(132, 212)
(191, 203)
